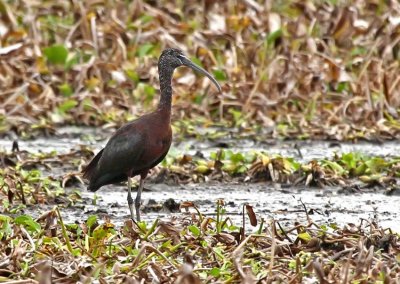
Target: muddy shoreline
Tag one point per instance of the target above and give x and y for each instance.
(326, 205)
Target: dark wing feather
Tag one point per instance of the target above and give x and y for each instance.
(89, 169)
(120, 155)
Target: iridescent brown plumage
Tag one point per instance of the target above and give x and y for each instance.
(141, 144)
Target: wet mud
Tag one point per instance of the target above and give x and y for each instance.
(287, 205)
(324, 206)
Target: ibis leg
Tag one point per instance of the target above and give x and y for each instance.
(130, 199)
(138, 198)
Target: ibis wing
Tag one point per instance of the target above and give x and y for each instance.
(89, 170)
(122, 153)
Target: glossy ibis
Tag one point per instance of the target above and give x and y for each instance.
(141, 144)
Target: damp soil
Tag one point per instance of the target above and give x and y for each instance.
(287, 205)
(71, 137)
(323, 206)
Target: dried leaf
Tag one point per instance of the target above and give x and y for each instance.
(251, 214)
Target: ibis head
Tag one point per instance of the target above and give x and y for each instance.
(172, 58)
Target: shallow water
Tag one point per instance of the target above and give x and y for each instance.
(70, 137)
(328, 205)
(324, 206)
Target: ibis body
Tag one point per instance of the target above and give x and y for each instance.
(143, 143)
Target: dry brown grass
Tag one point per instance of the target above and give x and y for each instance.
(304, 68)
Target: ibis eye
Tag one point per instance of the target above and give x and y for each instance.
(181, 58)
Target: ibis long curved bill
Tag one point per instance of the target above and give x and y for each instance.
(141, 144)
(185, 61)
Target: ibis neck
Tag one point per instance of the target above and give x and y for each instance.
(165, 89)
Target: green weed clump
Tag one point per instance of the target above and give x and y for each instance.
(42, 178)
